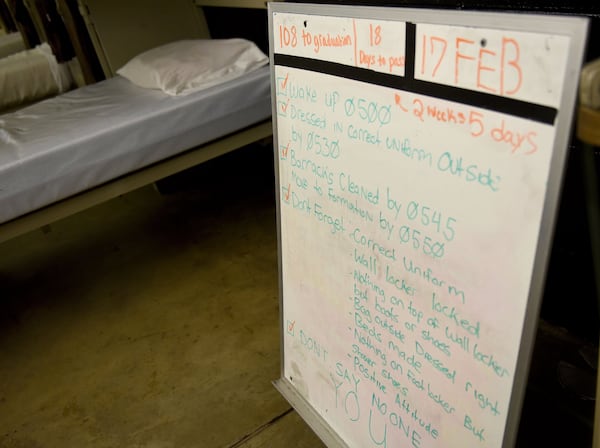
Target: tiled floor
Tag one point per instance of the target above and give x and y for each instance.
(152, 321)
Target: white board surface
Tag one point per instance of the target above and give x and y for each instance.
(419, 159)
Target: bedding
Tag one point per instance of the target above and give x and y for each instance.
(11, 43)
(185, 66)
(73, 142)
(30, 75)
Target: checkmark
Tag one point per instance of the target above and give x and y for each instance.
(290, 326)
(287, 190)
(283, 108)
(284, 151)
(284, 82)
(281, 86)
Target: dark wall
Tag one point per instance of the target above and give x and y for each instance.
(248, 23)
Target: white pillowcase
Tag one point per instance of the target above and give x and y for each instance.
(185, 66)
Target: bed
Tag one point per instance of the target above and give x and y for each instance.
(88, 145)
(75, 150)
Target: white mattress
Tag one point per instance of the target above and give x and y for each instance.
(83, 138)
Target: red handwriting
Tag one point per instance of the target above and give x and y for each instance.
(496, 71)
(288, 36)
(515, 139)
(477, 123)
(374, 55)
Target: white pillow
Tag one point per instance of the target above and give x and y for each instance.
(185, 66)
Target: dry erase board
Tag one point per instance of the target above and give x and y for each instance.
(419, 163)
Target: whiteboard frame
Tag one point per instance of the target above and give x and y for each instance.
(576, 28)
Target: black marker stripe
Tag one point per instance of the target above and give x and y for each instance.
(411, 35)
(508, 106)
